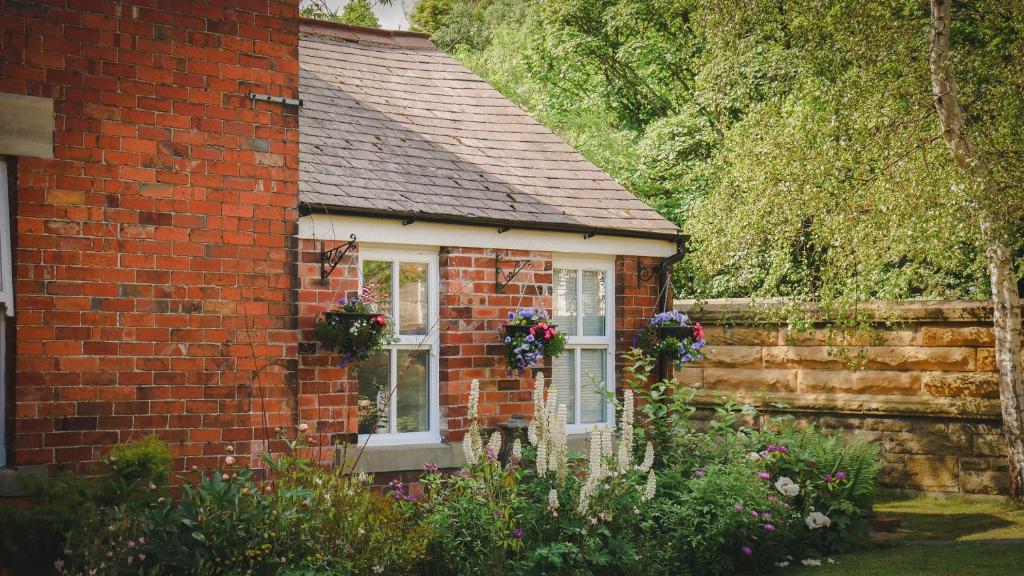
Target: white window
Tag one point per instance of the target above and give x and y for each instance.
(584, 303)
(398, 387)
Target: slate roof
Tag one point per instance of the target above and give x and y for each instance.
(391, 125)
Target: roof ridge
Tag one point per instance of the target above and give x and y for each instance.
(365, 35)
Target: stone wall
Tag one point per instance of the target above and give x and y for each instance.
(921, 380)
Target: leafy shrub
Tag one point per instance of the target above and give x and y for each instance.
(69, 503)
(303, 520)
(145, 461)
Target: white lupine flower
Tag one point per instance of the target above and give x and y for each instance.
(651, 485)
(474, 399)
(625, 460)
(811, 562)
(817, 520)
(560, 445)
(607, 447)
(584, 500)
(596, 449)
(648, 458)
(553, 502)
(535, 432)
(517, 450)
(471, 443)
(542, 459)
(494, 444)
(787, 487)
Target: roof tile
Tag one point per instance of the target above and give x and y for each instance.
(390, 124)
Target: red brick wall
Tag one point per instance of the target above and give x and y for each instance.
(472, 316)
(635, 301)
(327, 393)
(154, 272)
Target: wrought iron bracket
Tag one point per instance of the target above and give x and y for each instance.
(648, 273)
(502, 278)
(329, 259)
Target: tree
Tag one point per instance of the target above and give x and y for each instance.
(355, 12)
(798, 142)
(359, 13)
(430, 15)
(957, 134)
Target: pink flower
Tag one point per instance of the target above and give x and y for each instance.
(229, 461)
(698, 331)
(747, 550)
(764, 475)
(737, 506)
(769, 528)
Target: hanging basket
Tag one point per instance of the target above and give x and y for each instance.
(348, 317)
(678, 332)
(353, 335)
(515, 330)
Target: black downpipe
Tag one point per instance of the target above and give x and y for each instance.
(664, 279)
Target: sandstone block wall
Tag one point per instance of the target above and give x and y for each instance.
(921, 381)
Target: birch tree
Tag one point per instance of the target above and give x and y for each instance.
(994, 229)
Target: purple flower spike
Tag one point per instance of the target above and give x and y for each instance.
(517, 534)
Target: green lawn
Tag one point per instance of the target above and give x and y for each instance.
(952, 537)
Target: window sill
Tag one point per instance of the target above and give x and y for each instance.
(10, 479)
(402, 457)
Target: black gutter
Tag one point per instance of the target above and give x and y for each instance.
(306, 208)
(665, 269)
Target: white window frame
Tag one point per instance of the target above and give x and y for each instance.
(579, 342)
(6, 300)
(429, 341)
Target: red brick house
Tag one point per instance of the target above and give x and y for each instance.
(178, 174)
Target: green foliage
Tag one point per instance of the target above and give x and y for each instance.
(359, 13)
(356, 12)
(73, 504)
(304, 520)
(145, 461)
(796, 142)
(431, 15)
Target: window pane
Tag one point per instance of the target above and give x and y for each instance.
(374, 383)
(563, 376)
(412, 298)
(378, 273)
(593, 303)
(413, 391)
(565, 301)
(592, 379)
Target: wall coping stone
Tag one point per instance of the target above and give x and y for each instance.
(859, 404)
(740, 310)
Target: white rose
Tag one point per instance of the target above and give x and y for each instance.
(817, 520)
(787, 487)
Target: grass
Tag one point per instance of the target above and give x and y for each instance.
(939, 537)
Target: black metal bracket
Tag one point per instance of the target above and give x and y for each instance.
(647, 273)
(501, 278)
(329, 259)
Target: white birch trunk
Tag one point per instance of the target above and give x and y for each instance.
(1005, 299)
